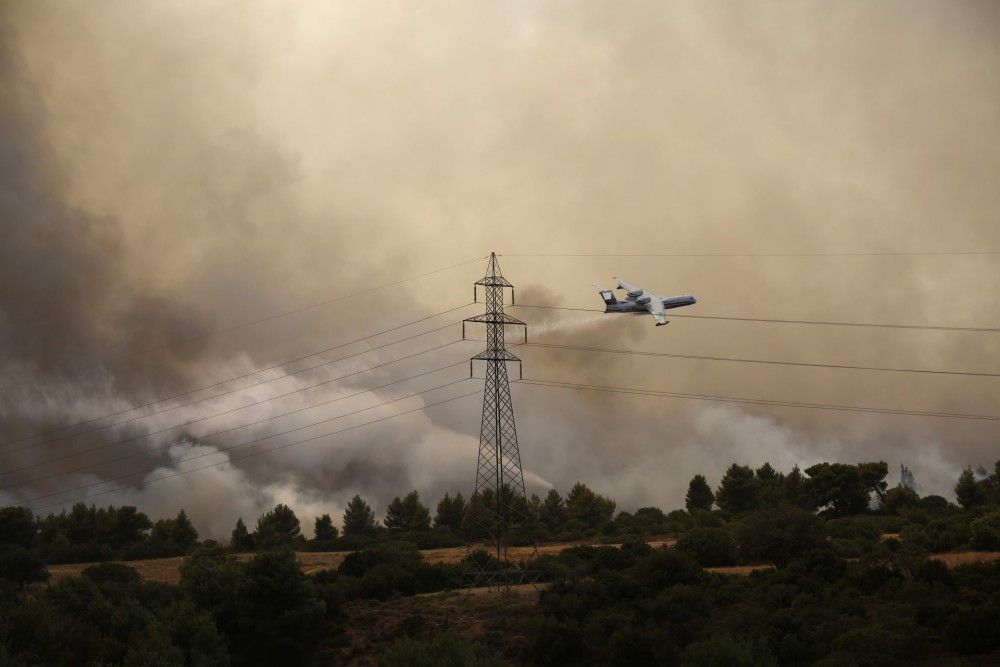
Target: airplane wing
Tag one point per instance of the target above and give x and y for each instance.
(633, 290)
(656, 309)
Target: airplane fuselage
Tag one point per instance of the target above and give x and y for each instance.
(632, 305)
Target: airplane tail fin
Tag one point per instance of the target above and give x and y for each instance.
(607, 295)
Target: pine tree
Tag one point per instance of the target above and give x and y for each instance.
(279, 527)
(699, 495)
(324, 529)
(183, 532)
(450, 512)
(553, 511)
(359, 519)
(739, 490)
(970, 492)
(407, 514)
(586, 509)
(241, 540)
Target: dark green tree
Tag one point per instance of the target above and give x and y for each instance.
(183, 533)
(450, 511)
(241, 539)
(699, 494)
(771, 485)
(778, 535)
(407, 514)
(586, 509)
(969, 491)
(846, 489)
(794, 490)
(17, 526)
(21, 566)
(278, 528)
(553, 511)
(739, 490)
(324, 530)
(899, 498)
(710, 547)
(276, 617)
(130, 527)
(359, 519)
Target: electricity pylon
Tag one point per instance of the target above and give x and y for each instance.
(499, 502)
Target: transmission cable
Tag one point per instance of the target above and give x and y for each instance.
(249, 386)
(765, 254)
(88, 466)
(676, 355)
(757, 401)
(222, 382)
(876, 325)
(252, 454)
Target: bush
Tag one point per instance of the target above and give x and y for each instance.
(114, 573)
(986, 531)
(443, 649)
(779, 535)
(974, 630)
(725, 651)
(710, 547)
(21, 566)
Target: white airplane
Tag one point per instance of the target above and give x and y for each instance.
(639, 301)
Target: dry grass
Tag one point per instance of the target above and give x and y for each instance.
(741, 570)
(167, 570)
(966, 558)
(499, 619)
(155, 569)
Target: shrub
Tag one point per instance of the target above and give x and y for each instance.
(974, 630)
(21, 566)
(114, 573)
(899, 498)
(725, 651)
(443, 649)
(779, 535)
(986, 531)
(710, 547)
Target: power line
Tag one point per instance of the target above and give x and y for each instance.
(704, 357)
(327, 302)
(253, 454)
(232, 379)
(758, 401)
(214, 433)
(238, 389)
(877, 325)
(765, 254)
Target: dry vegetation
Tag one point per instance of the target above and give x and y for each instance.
(498, 619)
(953, 560)
(167, 570)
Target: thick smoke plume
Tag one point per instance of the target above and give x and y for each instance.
(172, 170)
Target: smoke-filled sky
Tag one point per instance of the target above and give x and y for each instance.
(169, 171)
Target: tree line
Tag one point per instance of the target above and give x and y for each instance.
(837, 490)
(835, 589)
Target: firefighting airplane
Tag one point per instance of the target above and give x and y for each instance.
(640, 301)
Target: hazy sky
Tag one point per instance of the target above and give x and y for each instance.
(171, 169)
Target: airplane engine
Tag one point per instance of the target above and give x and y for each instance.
(642, 301)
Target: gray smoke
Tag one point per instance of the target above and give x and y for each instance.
(170, 170)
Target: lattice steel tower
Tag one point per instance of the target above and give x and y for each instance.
(499, 477)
